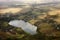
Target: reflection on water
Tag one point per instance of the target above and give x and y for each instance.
(27, 27)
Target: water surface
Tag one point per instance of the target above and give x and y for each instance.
(27, 27)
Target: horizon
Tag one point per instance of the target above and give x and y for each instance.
(31, 1)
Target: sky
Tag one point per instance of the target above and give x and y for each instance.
(31, 1)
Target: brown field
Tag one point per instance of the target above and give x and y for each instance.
(10, 10)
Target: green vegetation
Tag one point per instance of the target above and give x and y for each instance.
(47, 25)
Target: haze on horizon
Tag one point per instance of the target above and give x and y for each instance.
(31, 1)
